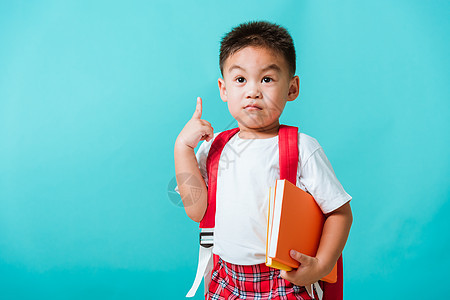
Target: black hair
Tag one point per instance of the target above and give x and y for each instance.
(260, 34)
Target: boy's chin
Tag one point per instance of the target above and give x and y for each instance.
(257, 125)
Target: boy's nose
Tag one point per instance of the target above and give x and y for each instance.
(253, 92)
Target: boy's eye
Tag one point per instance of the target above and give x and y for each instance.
(240, 79)
(267, 79)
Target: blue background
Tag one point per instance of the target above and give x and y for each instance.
(93, 95)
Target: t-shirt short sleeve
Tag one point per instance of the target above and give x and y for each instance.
(316, 175)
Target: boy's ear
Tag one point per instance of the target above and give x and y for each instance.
(223, 90)
(294, 88)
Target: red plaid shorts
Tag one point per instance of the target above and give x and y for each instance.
(253, 282)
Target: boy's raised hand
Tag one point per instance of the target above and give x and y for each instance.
(196, 129)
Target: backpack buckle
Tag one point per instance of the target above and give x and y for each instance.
(206, 237)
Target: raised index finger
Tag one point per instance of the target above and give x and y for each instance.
(198, 109)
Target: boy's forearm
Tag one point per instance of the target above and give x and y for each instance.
(334, 236)
(186, 165)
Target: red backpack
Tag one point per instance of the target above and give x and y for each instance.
(288, 160)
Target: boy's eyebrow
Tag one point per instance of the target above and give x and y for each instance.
(274, 67)
(235, 67)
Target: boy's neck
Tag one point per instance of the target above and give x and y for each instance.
(258, 133)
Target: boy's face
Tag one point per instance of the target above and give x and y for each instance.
(256, 85)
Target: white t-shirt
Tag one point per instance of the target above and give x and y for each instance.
(247, 168)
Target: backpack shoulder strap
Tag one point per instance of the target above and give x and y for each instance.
(206, 257)
(288, 152)
(212, 166)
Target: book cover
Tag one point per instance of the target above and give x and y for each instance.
(295, 221)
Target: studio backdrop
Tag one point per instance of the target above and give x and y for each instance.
(94, 93)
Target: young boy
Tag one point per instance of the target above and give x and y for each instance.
(257, 61)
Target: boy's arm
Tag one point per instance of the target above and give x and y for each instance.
(186, 165)
(334, 236)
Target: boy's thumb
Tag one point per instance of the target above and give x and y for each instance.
(300, 257)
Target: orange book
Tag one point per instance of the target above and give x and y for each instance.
(295, 222)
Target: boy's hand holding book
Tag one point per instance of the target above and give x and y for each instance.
(195, 130)
(309, 271)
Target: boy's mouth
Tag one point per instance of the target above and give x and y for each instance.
(252, 107)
